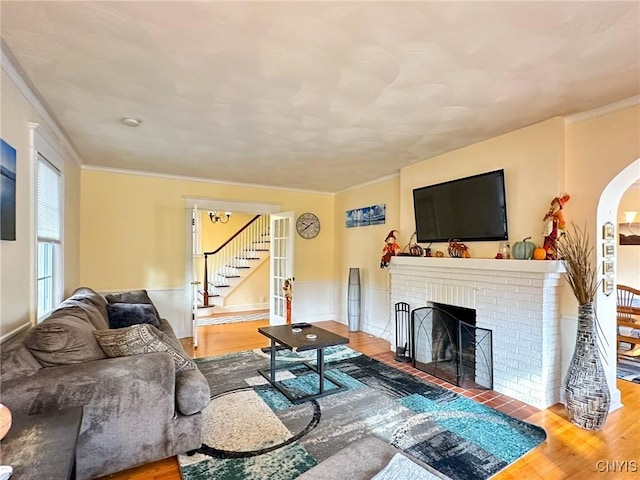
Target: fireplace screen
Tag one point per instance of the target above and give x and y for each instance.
(449, 348)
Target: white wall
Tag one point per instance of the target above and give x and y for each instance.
(18, 109)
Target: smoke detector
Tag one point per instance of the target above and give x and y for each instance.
(131, 122)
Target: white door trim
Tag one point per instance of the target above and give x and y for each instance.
(231, 205)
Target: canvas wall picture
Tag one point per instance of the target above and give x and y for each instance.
(629, 233)
(7, 191)
(365, 216)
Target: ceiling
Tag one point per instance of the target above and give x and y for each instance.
(318, 96)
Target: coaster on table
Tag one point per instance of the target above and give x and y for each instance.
(296, 330)
(311, 336)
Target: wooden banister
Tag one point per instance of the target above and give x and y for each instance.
(205, 292)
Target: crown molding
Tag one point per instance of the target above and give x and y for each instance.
(603, 110)
(370, 182)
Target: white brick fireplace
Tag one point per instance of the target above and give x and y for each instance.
(519, 300)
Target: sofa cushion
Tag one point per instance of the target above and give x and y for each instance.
(192, 392)
(360, 460)
(63, 339)
(140, 339)
(126, 314)
(17, 362)
(133, 296)
(87, 295)
(401, 468)
(82, 309)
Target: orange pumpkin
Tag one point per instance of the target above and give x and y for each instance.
(539, 254)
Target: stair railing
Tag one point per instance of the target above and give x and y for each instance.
(235, 253)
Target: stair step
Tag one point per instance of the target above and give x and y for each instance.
(210, 295)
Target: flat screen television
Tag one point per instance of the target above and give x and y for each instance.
(467, 209)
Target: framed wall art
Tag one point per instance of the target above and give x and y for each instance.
(7, 191)
(608, 231)
(629, 233)
(365, 216)
(608, 250)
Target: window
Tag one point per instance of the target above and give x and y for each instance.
(49, 233)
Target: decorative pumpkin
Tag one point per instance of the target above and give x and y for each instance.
(523, 250)
(539, 254)
(456, 249)
(440, 254)
(466, 254)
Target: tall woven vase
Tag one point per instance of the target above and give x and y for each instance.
(587, 395)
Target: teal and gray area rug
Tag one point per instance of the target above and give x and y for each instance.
(253, 432)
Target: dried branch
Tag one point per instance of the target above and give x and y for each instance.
(576, 253)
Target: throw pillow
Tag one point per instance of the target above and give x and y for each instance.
(134, 296)
(126, 314)
(137, 340)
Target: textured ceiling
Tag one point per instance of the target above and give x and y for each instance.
(313, 95)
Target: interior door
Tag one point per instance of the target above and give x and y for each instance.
(281, 234)
(194, 283)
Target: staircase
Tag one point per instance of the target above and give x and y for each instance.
(226, 268)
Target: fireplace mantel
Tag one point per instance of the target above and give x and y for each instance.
(531, 266)
(518, 300)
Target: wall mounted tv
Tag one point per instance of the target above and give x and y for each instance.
(467, 209)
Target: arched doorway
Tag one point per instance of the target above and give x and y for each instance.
(606, 304)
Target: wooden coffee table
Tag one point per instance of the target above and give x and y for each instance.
(283, 335)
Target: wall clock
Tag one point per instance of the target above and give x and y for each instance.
(308, 225)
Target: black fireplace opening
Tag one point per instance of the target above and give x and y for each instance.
(447, 344)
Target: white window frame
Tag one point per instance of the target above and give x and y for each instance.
(45, 152)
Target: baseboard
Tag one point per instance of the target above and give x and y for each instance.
(14, 333)
(239, 308)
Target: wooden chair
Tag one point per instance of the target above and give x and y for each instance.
(628, 316)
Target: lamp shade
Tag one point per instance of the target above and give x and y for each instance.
(5, 420)
(630, 216)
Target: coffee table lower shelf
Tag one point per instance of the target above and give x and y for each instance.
(270, 375)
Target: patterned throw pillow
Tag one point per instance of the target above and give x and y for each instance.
(139, 339)
(126, 314)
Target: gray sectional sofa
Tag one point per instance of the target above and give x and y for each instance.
(371, 459)
(141, 394)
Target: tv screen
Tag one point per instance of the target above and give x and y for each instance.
(467, 209)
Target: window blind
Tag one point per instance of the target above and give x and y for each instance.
(48, 208)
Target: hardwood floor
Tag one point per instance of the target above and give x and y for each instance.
(568, 453)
